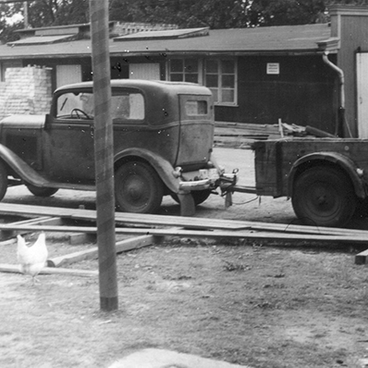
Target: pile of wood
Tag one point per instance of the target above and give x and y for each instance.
(242, 135)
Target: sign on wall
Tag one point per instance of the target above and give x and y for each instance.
(273, 68)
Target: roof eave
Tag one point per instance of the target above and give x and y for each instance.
(330, 45)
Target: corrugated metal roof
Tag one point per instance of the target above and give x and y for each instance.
(281, 39)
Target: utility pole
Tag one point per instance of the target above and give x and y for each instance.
(105, 199)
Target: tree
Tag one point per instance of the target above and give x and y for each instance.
(184, 13)
(282, 12)
(292, 12)
(43, 13)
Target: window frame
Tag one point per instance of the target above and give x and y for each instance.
(202, 75)
(183, 72)
(220, 74)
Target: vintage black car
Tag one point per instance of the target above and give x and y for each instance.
(163, 139)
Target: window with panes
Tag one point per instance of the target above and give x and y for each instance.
(219, 75)
(184, 70)
(220, 78)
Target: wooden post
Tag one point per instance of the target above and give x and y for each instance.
(104, 155)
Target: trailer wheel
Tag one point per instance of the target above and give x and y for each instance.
(324, 196)
(138, 188)
(3, 180)
(41, 191)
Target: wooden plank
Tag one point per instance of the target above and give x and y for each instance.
(47, 220)
(136, 243)
(170, 221)
(79, 238)
(120, 217)
(359, 238)
(73, 257)
(50, 271)
(361, 258)
(92, 253)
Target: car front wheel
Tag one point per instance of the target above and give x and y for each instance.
(138, 188)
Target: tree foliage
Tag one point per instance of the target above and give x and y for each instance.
(184, 13)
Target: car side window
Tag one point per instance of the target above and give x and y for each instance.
(127, 106)
(75, 106)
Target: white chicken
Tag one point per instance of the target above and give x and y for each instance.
(32, 258)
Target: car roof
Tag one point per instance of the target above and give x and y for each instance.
(146, 85)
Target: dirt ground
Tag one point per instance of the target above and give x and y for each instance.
(258, 304)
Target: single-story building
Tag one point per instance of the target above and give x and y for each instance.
(313, 75)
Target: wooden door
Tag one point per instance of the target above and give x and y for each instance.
(68, 74)
(362, 94)
(148, 71)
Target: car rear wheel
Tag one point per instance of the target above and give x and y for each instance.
(138, 188)
(324, 196)
(41, 191)
(198, 196)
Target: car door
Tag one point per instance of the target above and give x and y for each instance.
(70, 139)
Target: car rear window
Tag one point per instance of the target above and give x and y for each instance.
(196, 107)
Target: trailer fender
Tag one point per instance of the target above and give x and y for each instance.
(21, 168)
(163, 167)
(320, 158)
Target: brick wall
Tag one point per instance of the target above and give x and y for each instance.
(25, 91)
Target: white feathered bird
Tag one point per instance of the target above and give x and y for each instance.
(32, 258)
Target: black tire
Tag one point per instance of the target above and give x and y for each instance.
(3, 180)
(41, 191)
(324, 196)
(138, 188)
(198, 196)
(362, 208)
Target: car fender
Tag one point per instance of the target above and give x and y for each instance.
(163, 167)
(345, 163)
(21, 168)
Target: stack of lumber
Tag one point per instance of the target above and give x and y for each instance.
(242, 135)
(163, 225)
(150, 229)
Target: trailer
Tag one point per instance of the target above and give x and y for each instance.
(326, 178)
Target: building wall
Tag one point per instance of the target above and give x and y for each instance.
(349, 23)
(25, 91)
(303, 93)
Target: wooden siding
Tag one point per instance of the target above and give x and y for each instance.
(304, 93)
(350, 24)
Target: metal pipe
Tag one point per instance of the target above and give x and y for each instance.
(340, 72)
(341, 77)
